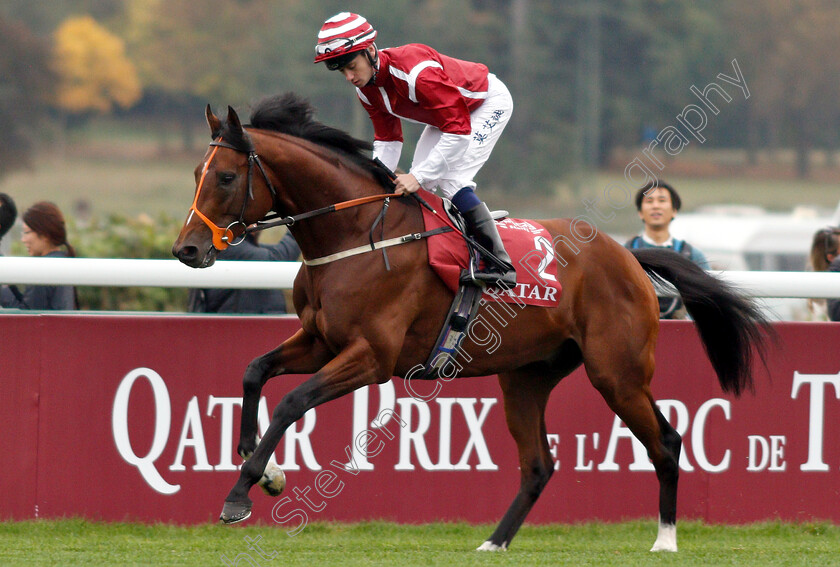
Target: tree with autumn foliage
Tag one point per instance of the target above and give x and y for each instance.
(94, 74)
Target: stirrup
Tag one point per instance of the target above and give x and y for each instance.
(496, 279)
(487, 278)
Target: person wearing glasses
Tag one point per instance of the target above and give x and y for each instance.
(825, 257)
(465, 109)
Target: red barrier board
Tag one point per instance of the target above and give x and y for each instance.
(136, 417)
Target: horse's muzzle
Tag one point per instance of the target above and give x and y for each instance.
(190, 256)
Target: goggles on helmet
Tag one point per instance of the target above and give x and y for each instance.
(341, 35)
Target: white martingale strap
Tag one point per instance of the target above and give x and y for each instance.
(364, 248)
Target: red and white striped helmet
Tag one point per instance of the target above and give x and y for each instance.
(342, 34)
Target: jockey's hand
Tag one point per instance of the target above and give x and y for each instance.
(405, 184)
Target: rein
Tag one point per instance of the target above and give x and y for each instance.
(404, 239)
(290, 220)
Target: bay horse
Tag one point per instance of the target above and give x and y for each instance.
(362, 324)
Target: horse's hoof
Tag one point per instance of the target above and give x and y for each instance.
(273, 480)
(666, 539)
(490, 546)
(245, 451)
(235, 512)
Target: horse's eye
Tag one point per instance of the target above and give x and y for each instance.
(225, 178)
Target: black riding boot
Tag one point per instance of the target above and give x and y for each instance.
(482, 228)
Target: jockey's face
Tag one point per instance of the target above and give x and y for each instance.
(657, 209)
(359, 71)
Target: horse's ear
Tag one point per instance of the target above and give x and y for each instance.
(214, 122)
(233, 120)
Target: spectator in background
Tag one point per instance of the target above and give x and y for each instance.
(824, 257)
(247, 300)
(8, 215)
(658, 203)
(44, 234)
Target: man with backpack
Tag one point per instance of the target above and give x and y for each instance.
(658, 203)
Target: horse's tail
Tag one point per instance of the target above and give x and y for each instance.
(730, 325)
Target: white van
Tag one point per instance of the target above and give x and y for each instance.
(749, 238)
(737, 237)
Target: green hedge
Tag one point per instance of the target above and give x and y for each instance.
(118, 236)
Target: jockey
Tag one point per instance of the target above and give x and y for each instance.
(464, 107)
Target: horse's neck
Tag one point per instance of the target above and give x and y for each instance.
(314, 177)
(311, 178)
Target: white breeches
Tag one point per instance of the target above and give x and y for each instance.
(488, 122)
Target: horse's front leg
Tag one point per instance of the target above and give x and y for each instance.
(301, 353)
(525, 397)
(354, 367)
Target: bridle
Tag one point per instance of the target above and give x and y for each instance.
(224, 237)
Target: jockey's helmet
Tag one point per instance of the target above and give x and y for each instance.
(341, 38)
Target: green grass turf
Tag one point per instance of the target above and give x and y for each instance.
(79, 542)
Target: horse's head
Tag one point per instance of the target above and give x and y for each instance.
(225, 202)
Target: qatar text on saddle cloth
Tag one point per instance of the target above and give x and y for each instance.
(528, 244)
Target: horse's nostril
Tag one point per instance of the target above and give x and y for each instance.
(187, 254)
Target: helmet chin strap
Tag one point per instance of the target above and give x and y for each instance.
(374, 62)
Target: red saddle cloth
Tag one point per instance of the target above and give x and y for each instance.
(530, 248)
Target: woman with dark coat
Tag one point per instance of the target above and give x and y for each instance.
(44, 234)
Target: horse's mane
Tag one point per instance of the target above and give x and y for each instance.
(292, 114)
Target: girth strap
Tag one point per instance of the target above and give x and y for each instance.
(376, 246)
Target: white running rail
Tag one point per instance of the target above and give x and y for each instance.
(281, 275)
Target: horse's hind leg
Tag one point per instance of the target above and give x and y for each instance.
(299, 354)
(666, 539)
(622, 376)
(525, 397)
